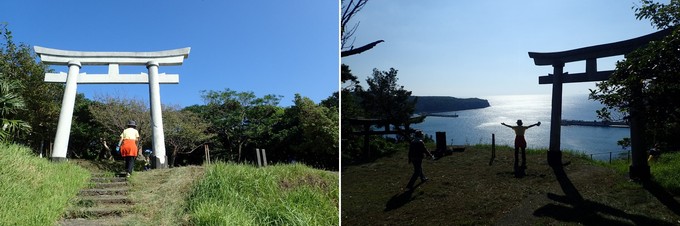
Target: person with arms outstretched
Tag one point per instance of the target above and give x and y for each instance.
(520, 143)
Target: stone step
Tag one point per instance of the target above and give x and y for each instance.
(103, 174)
(109, 221)
(104, 191)
(88, 201)
(110, 184)
(98, 212)
(108, 179)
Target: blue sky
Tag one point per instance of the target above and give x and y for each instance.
(268, 47)
(479, 48)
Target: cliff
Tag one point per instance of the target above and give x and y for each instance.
(434, 104)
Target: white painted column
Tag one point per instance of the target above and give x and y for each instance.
(159, 157)
(66, 114)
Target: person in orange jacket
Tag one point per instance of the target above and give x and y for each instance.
(128, 146)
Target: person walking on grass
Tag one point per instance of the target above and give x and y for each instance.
(416, 151)
(520, 143)
(128, 146)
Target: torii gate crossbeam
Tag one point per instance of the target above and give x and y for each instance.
(76, 59)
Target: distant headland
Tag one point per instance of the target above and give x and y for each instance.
(435, 104)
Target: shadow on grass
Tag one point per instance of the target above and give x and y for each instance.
(401, 199)
(578, 210)
(662, 195)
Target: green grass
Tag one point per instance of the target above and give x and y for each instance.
(34, 190)
(161, 195)
(664, 170)
(232, 194)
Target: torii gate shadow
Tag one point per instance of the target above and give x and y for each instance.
(586, 211)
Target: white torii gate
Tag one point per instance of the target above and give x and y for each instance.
(75, 59)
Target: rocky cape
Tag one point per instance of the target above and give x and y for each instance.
(435, 104)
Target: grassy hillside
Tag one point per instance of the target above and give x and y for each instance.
(465, 190)
(34, 190)
(231, 194)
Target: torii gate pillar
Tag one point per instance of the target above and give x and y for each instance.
(554, 152)
(156, 117)
(66, 113)
(75, 59)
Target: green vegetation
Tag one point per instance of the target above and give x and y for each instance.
(160, 196)
(34, 190)
(646, 81)
(664, 170)
(231, 194)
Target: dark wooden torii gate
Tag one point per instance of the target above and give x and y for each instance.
(367, 123)
(639, 169)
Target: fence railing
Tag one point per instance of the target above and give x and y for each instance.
(611, 155)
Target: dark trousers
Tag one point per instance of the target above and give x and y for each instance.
(417, 172)
(524, 157)
(519, 170)
(129, 163)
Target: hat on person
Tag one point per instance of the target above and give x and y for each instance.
(132, 123)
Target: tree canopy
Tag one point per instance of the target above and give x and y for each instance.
(652, 70)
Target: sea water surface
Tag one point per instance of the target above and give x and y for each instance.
(476, 126)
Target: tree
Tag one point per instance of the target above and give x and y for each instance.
(240, 118)
(113, 113)
(42, 100)
(86, 139)
(308, 133)
(184, 130)
(385, 99)
(10, 104)
(350, 10)
(654, 72)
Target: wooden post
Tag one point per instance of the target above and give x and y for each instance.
(264, 157)
(493, 148)
(257, 151)
(554, 152)
(493, 145)
(207, 153)
(367, 148)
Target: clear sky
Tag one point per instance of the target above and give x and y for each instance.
(268, 47)
(479, 48)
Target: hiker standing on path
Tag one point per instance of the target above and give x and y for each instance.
(416, 151)
(520, 142)
(128, 146)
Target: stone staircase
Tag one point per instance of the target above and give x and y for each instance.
(104, 202)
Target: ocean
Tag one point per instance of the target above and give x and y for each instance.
(476, 126)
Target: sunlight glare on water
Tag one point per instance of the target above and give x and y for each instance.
(476, 126)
